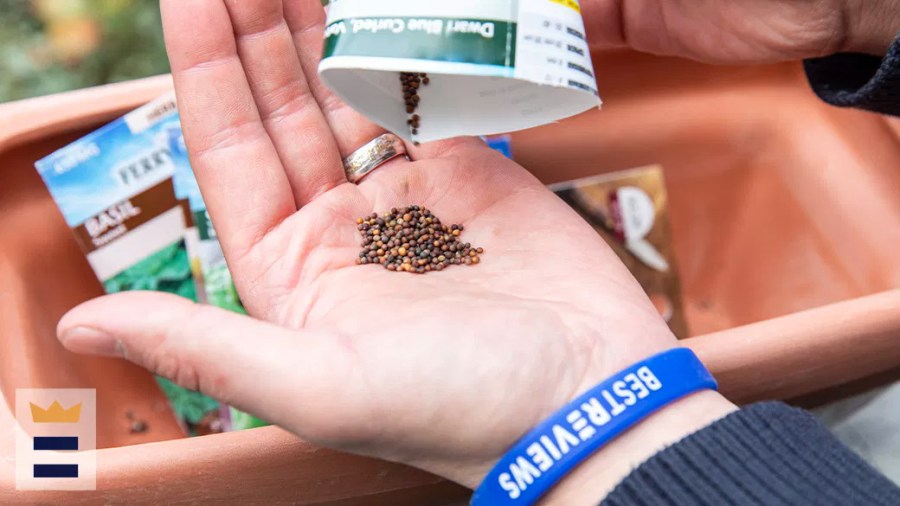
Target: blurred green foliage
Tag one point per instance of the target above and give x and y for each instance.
(49, 46)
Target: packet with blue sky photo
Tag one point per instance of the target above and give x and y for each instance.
(116, 191)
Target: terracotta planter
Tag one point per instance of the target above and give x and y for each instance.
(778, 203)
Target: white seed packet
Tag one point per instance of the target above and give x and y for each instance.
(494, 65)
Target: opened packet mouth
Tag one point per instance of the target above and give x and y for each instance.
(494, 65)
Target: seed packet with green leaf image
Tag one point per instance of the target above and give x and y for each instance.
(207, 258)
(116, 192)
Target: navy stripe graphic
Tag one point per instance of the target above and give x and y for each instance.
(55, 443)
(56, 470)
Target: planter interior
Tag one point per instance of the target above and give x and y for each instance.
(778, 203)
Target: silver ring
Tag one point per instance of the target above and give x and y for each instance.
(371, 156)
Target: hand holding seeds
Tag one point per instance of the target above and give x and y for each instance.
(443, 371)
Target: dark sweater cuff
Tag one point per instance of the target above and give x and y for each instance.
(768, 454)
(858, 80)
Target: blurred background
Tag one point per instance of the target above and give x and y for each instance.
(49, 46)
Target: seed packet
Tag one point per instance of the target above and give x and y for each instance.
(207, 258)
(116, 192)
(492, 65)
(629, 210)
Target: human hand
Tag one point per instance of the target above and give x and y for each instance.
(443, 371)
(733, 31)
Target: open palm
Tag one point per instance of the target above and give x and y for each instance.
(358, 357)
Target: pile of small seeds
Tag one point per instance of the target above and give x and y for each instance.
(411, 82)
(412, 239)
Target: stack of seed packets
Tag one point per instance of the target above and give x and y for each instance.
(134, 219)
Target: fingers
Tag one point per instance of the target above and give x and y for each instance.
(289, 110)
(236, 359)
(306, 19)
(239, 171)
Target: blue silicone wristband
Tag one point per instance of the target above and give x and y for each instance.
(546, 454)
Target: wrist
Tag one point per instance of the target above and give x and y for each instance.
(596, 477)
(872, 26)
(579, 453)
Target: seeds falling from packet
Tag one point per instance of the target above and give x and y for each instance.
(413, 239)
(410, 82)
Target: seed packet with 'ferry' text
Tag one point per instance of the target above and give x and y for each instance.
(115, 190)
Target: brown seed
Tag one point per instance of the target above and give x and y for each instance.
(475, 260)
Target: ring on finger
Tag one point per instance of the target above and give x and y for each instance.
(366, 159)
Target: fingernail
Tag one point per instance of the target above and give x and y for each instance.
(91, 341)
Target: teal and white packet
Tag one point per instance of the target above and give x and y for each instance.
(494, 65)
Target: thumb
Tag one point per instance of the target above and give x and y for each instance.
(234, 358)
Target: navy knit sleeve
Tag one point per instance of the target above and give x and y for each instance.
(858, 80)
(766, 454)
